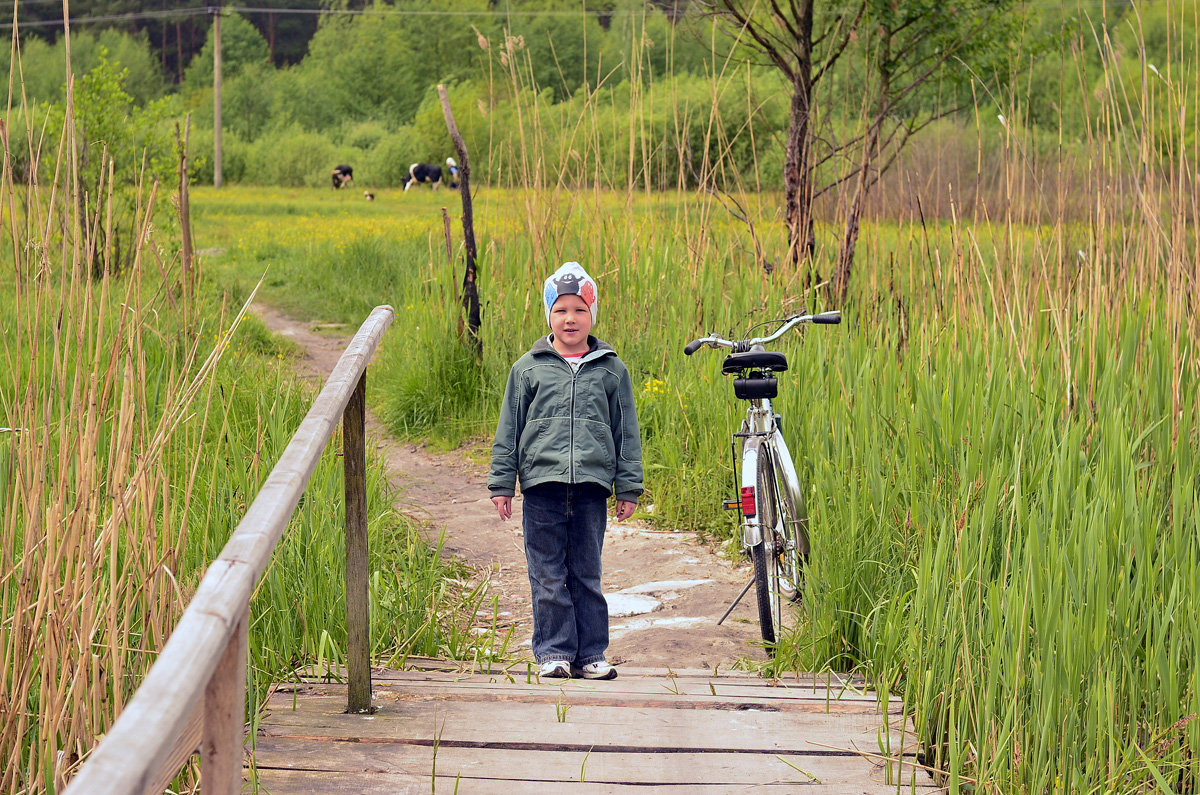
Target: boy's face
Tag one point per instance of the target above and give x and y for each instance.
(571, 322)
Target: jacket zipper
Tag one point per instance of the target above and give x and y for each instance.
(574, 375)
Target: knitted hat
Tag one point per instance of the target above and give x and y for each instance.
(570, 279)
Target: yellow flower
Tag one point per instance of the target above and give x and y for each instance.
(654, 387)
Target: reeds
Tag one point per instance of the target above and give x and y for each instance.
(130, 446)
(95, 392)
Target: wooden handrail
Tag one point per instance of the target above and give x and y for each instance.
(194, 695)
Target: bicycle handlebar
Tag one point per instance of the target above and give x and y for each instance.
(822, 318)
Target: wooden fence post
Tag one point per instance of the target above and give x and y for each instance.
(225, 714)
(358, 630)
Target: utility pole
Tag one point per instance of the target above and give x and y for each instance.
(217, 179)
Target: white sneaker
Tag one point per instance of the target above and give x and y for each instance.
(555, 669)
(594, 670)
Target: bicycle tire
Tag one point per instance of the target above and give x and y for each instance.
(762, 591)
(784, 541)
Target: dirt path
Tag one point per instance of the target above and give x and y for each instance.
(666, 590)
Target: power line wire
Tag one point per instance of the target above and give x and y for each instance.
(196, 11)
(133, 16)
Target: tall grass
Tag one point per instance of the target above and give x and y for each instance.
(137, 422)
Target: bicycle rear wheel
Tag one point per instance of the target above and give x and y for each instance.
(784, 551)
(767, 598)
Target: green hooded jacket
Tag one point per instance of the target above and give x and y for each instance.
(563, 425)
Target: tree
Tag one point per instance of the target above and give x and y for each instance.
(380, 66)
(135, 140)
(242, 47)
(873, 73)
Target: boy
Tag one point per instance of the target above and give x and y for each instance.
(568, 429)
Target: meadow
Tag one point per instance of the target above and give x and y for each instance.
(1000, 442)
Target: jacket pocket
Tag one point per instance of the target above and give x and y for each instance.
(595, 451)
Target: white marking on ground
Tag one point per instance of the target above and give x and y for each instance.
(640, 624)
(663, 585)
(628, 604)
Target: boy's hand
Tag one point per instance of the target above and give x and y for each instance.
(504, 506)
(625, 509)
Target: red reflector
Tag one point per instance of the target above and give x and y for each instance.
(748, 508)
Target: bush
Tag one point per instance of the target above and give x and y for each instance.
(364, 135)
(388, 161)
(291, 158)
(234, 154)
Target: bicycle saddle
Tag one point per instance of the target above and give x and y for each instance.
(754, 360)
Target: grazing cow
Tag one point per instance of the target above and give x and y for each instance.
(342, 176)
(423, 173)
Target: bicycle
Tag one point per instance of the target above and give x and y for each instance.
(774, 515)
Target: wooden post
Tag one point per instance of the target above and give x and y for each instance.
(470, 289)
(185, 214)
(224, 716)
(218, 179)
(358, 630)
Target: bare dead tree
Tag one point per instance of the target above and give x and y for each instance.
(185, 213)
(470, 291)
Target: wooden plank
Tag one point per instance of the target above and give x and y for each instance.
(585, 726)
(167, 768)
(647, 768)
(601, 696)
(689, 685)
(308, 783)
(822, 679)
(647, 687)
(504, 734)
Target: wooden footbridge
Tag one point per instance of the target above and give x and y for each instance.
(440, 729)
(435, 727)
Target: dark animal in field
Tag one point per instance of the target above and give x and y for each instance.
(423, 173)
(370, 196)
(342, 176)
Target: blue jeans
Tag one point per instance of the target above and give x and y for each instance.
(564, 535)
